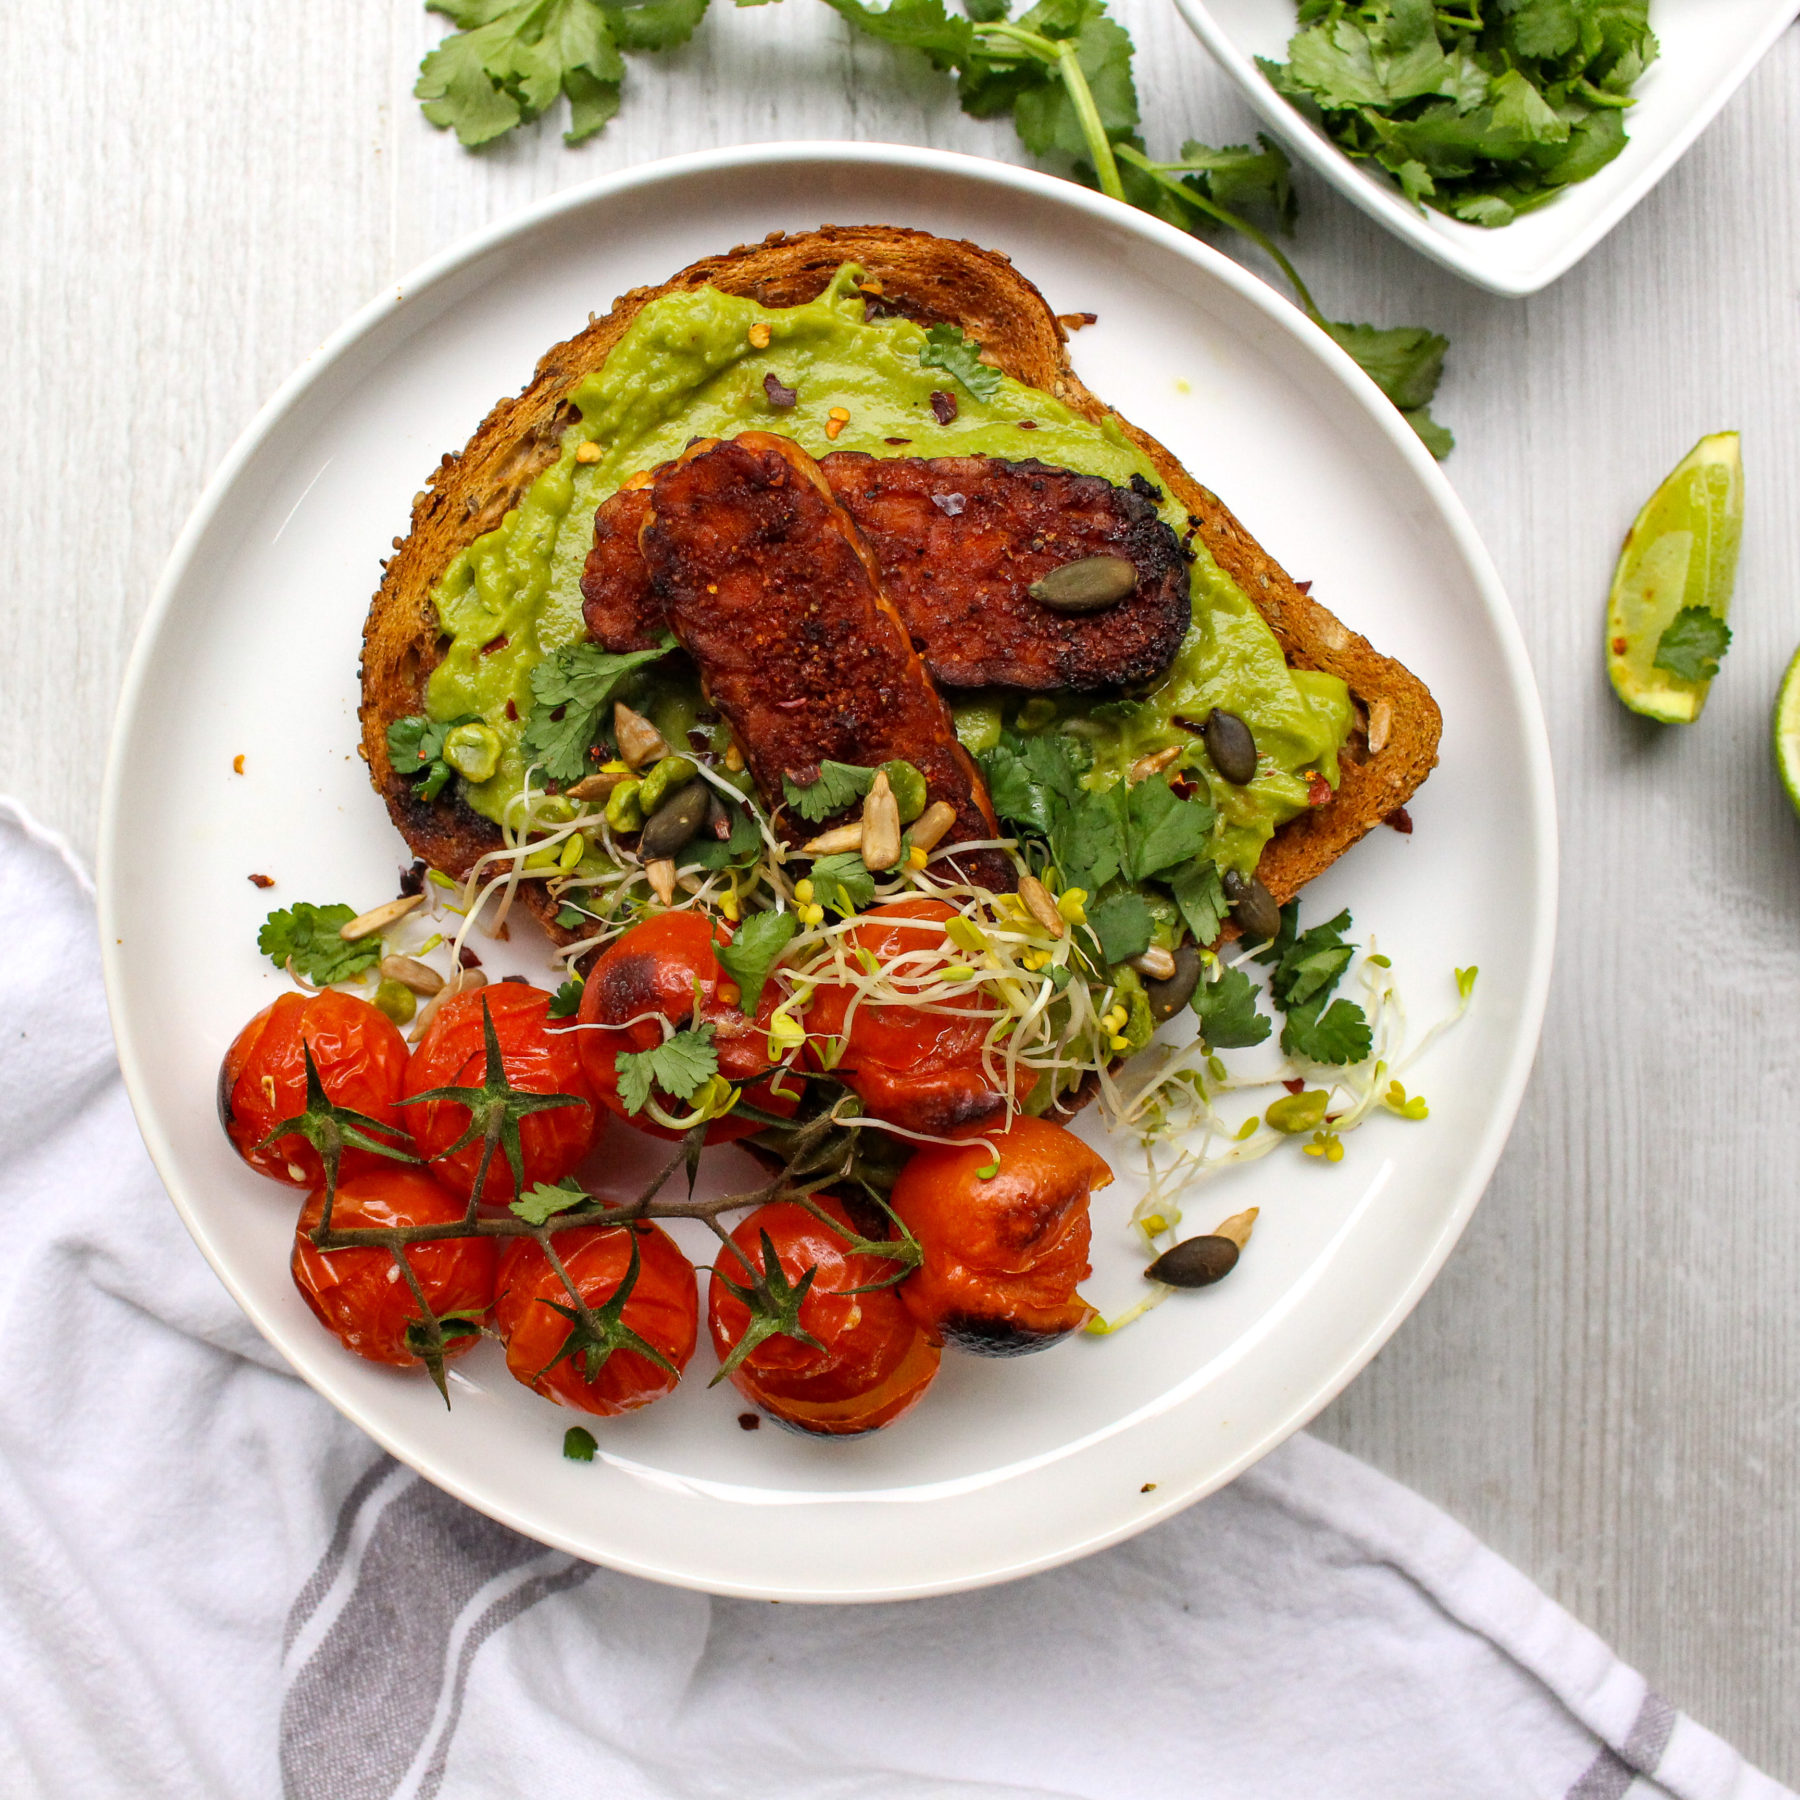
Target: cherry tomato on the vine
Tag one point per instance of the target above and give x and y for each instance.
(538, 1056)
(361, 1061)
(359, 1293)
(604, 1375)
(652, 972)
(921, 1070)
(869, 1363)
(1002, 1255)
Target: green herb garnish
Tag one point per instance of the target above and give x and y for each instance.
(680, 1066)
(1692, 643)
(305, 938)
(1229, 1019)
(946, 348)
(572, 690)
(837, 786)
(756, 949)
(415, 746)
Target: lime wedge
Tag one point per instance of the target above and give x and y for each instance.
(1681, 553)
(1787, 731)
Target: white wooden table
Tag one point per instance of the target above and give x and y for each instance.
(1605, 1382)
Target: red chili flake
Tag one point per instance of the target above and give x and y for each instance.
(1318, 789)
(1618, 646)
(943, 407)
(1401, 820)
(1188, 724)
(1074, 322)
(1183, 787)
(468, 958)
(779, 396)
(699, 740)
(1028, 424)
(1332, 1118)
(1304, 586)
(512, 711)
(1296, 1086)
(494, 644)
(262, 881)
(517, 980)
(889, 441)
(412, 881)
(749, 1422)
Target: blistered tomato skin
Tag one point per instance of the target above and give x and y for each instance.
(1002, 1256)
(874, 1364)
(361, 1061)
(921, 1070)
(650, 973)
(539, 1056)
(663, 1308)
(358, 1293)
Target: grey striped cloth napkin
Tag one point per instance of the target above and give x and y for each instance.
(213, 1588)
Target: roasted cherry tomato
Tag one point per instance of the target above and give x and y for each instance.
(608, 1377)
(359, 1293)
(871, 1361)
(538, 1057)
(654, 969)
(1002, 1255)
(921, 1070)
(361, 1061)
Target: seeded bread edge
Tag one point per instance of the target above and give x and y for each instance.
(929, 279)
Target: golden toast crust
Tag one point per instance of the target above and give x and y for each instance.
(929, 279)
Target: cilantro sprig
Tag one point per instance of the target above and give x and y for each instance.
(510, 61)
(305, 938)
(751, 956)
(680, 1066)
(1484, 110)
(1307, 968)
(572, 690)
(946, 348)
(837, 786)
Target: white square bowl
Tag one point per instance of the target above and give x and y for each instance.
(1708, 48)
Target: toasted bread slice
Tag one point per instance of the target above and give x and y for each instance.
(928, 279)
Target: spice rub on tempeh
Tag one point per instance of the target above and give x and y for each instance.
(770, 588)
(959, 541)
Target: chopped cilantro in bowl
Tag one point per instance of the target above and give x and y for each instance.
(1481, 109)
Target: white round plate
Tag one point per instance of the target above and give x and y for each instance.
(250, 649)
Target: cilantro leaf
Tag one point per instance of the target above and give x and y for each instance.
(1692, 643)
(1032, 780)
(1229, 1019)
(839, 785)
(307, 935)
(1405, 361)
(756, 949)
(1312, 964)
(1200, 893)
(946, 348)
(508, 64)
(924, 25)
(1046, 115)
(572, 690)
(843, 882)
(1123, 926)
(1161, 829)
(653, 24)
(1337, 1035)
(679, 1067)
(1088, 840)
(541, 1202)
(580, 1444)
(566, 1001)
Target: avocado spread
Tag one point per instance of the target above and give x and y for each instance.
(686, 367)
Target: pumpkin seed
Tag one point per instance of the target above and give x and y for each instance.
(1089, 585)
(1231, 747)
(1168, 996)
(1252, 906)
(1195, 1262)
(674, 823)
